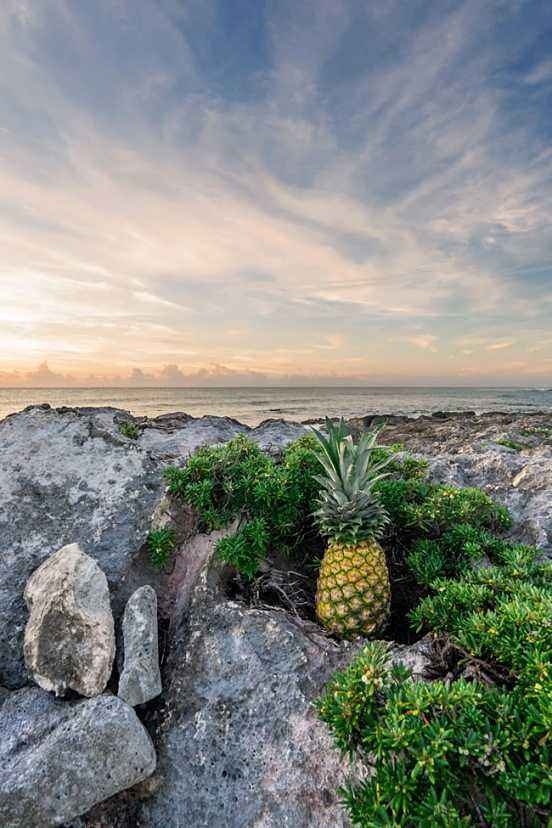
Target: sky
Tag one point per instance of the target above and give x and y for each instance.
(271, 191)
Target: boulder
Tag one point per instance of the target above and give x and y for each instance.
(140, 679)
(70, 636)
(58, 759)
(239, 741)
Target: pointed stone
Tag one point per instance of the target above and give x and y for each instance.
(140, 679)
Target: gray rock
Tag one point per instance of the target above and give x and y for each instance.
(140, 679)
(70, 636)
(463, 451)
(58, 759)
(68, 475)
(240, 743)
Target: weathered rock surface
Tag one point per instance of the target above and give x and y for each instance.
(58, 759)
(68, 475)
(140, 679)
(464, 450)
(70, 635)
(240, 743)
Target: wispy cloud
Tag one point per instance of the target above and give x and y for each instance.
(321, 188)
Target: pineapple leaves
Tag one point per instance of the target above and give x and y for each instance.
(348, 508)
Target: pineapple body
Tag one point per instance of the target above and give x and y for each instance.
(353, 591)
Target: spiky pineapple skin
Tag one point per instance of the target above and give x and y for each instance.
(353, 592)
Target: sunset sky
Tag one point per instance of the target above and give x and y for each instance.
(271, 191)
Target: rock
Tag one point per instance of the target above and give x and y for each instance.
(58, 759)
(415, 657)
(140, 680)
(70, 636)
(68, 475)
(463, 451)
(240, 743)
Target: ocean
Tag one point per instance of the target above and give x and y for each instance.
(252, 405)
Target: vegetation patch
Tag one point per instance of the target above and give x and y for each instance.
(161, 545)
(272, 499)
(129, 430)
(471, 751)
(509, 443)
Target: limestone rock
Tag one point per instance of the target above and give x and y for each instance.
(69, 637)
(140, 679)
(58, 759)
(240, 743)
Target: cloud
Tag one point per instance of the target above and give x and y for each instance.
(178, 193)
(499, 346)
(541, 73)
(424, 341)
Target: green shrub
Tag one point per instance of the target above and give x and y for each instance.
(417, 506)
(273, 499)
(541, 431)
(501, 614)
(405, 466)
(129, 430)
(453, 553)
(161, 544)
(451, 754)
(247, 548)
(507, 442)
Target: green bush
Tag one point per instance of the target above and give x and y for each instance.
(161, 544)
(129, 430)
(442, 755)
(507, 442)
(273, 499)
(462, 752)
(439, 530)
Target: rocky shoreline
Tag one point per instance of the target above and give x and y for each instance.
(234, 732)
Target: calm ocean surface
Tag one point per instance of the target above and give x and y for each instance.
(252, 405)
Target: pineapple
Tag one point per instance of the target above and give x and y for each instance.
(353, 592)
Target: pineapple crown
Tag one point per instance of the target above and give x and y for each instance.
(349, 511)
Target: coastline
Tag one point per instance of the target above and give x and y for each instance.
(252, 406)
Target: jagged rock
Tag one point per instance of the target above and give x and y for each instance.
(240, 744)
(58, 759)
(69, 637)
(463, 450)
(140, 679)
(69, 475)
